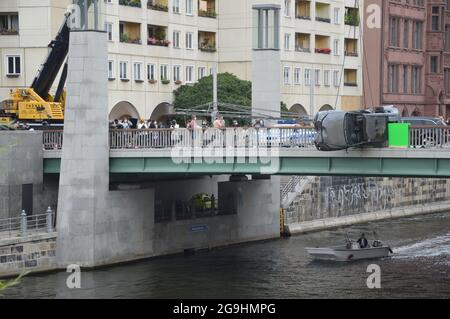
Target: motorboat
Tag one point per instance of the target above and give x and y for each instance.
(351, 251)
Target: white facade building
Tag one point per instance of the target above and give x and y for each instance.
(162, 44)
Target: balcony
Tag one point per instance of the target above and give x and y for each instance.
(207, 41)
(157, 35)
(130, 32)
(303, 9)
(207, 9)
(9, 24)
(350, 77)
(302, 42)
(351, 16)
(130, 3)
(158, 5)
(351, 47)
(323, 12)
(322, 44)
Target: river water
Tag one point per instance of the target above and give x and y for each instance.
(275, 269)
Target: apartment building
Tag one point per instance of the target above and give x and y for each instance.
(407, 56)
(157, 45)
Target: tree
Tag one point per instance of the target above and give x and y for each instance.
(230, 90)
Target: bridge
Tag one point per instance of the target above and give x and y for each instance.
(271, 151)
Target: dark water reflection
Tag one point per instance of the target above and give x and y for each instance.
(275, 269)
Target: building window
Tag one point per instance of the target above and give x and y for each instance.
(336, 46)
(416, 75)
(434, 64)
(177, 73)
(393, 78)
(164, 72)
(317, 77)
(435, 19)
(337, 16)
(9, 24)
(189, 74)
(394, 31)
(447, 38)
(201, 72)
(287, 8)
(287, 41)
(307, 77)
(297, 75)
(111, 75)
(417, 35)
(326, 78)
(189, 40)
(151, 72)
(287, 75)
(109, 30)
(176, 39)
(124, 70)
(406, 33)
(447, 81)
(138, 72)
(405, 79)
(13, 65)
(189, 7)
(336, 79)
(176, 6)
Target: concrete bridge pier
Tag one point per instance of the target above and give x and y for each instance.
(95, 226)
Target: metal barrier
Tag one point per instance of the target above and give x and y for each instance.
(292, 137)
(27, 225)
(52, 140)
(429, 136)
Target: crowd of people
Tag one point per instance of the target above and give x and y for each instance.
(193, 123)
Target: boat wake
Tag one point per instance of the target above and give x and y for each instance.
(432, 247)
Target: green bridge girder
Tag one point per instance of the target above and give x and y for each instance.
(388, 164)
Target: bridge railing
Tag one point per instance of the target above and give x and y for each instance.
(429, 136)
(27, 225)
(299, 137)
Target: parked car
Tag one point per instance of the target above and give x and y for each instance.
(338, 130)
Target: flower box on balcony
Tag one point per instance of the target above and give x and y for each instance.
(178, 82)
(304, 17)
(130, 3)
(352, 20)
(207, 14)
(157, 7)
(323, 50)
(124, 38)
(348, 53)
(208, 48)
(165, 81)
(300, 49)
(350, 84)
(152, 81)
(161, 43)
(320, 19)
(8, 32)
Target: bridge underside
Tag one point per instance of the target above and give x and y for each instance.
(161, 167)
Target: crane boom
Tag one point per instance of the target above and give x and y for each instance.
(59, 48)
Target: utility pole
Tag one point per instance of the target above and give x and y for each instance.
(311, 93)
(215, 98)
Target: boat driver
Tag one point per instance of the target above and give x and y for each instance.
(363, 243)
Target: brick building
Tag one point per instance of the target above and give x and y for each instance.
(407, 56)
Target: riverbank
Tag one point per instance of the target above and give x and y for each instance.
(330, 223)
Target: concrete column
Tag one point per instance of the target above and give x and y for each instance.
(84, 175)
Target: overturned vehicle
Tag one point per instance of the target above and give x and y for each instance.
(338, 130)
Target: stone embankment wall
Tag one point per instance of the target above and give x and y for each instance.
(31, 253)
(336, 201)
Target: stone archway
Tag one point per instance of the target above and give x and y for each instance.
(123, 110)
(405, 112)
(299, 109)
(326, 107)
(162, 112)
(416, 112)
